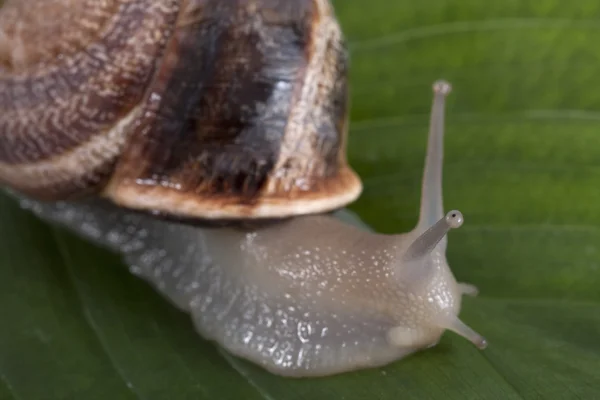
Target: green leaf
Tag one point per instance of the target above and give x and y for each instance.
(521, 163)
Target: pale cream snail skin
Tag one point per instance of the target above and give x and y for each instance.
(313, 295)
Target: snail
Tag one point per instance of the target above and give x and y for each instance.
(205, 141)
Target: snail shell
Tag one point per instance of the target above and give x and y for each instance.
(200, 109)
(224, 110)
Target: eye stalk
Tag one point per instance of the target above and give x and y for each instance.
(432, 208)
(429, 239)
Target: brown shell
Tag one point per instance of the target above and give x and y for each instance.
(205, 109)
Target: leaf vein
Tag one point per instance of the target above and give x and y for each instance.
(64, 253)
(234, 364)
(502, 376)
(510, 116)
(504, 24)
(8, 386)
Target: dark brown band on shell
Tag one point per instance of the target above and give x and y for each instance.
(246, 118)
(72, 77)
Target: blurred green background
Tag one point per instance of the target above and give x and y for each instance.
(522, 155)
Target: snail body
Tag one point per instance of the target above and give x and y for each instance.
(306, 294)
(309, 296)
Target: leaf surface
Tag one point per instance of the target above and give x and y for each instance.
(521, 163)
